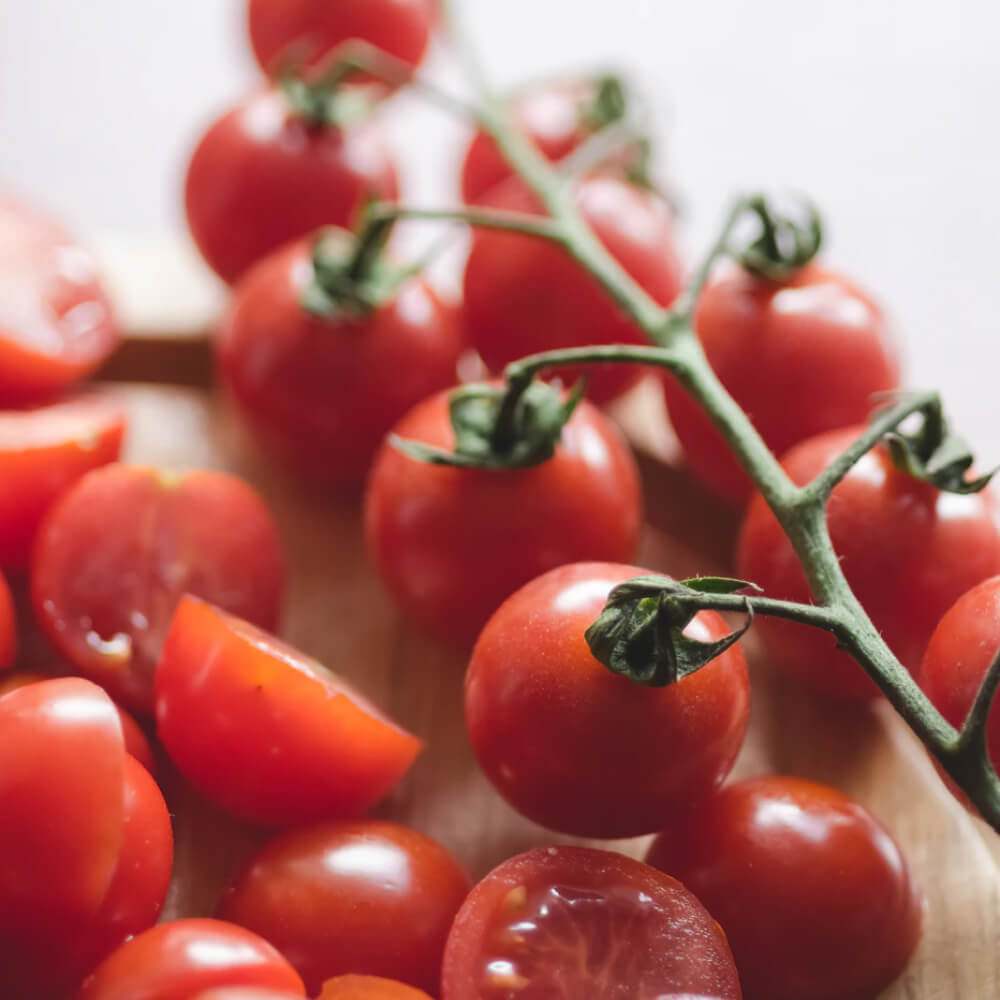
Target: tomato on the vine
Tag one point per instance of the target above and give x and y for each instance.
(320, 392)
(368, 988)
(56, 324)
(812, 891)
(563, 923)
(264, 175)
(318, 749)
(907, 549)
(800, 356)
(325, 896)
(8, 626)
(524, 294)
(579, 749)
(452, 543)
(115, 554)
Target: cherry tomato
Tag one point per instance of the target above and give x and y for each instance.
(43, 451)
(324, 896)
(812, 891)
(579, 749)
(368, 988)
(261, 176)
(8, 626)
(115, 554)
(563, 923)
(801, 357)
(56, 324)
(908, 551)
(180, 959)
(451, 544)
(400, 27)
(524, 294)
(245, 993)
(319, 749)
(320, 393)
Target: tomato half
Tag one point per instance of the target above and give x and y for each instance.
(56, 324)
(261, 176)
(368, 988)
(579, 749)
(801, 357)
(319, 749)
(8, 626)
(180, 959)
(908, 551)
(43, 451)
(812, 891)
(400, 27)
(451, 544)
(562, 923)
(325, 896)
(115, 554)
(524, 294)
(321, 393)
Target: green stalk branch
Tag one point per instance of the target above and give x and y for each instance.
(485, 218)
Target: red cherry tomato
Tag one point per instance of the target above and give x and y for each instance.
(801, 357)
(56, 324)
(524, 294)
(908, 551)
(115, 554)
(812, 891)
(325, 896)
(180, 959)
(368, 988)
(400, 27)
(451, 544)
(43, 451)
(261, 176)
(8, 626)
(563, 923)
(321, 393)
(577, 748)
(245, 993)
(319, 750)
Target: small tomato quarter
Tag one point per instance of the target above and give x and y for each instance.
(579, 749)
(812, 891)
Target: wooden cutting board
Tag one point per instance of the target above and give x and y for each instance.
(338, 612)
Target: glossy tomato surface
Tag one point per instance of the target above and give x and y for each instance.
(180, 959)
(56, 324)
(452, 544)
(369, 988)
(908, 551)
(43, 451)
(315, 27)
(321, 393)
(318, 750)
(812, 891)
(801, 357)
(115, 554)
(246, 993)
(579, 749)
(261, 177)
(563, 923)
(8, 626)
(524, 294)
(325, 896)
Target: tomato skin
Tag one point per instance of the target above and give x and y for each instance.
(245, 993)
(908, 551)
(673, 944)
(579, 749)
(56, 324)
(320, 750)
(801, 357)
(261, 177)
(115, 554)
(8, 626)
(400, 27)
(43, 451)
(812, 891)
(180, 959)
(368, 988)
(449, 571)
(320, 394)
(325, 895)
(524, 294)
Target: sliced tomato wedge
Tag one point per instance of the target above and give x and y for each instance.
(264, 731)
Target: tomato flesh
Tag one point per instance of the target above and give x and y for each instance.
(8, 626)
(368, 988)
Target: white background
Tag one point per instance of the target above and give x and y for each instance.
(885, 111)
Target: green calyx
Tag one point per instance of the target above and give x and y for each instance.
(325, 102)
(501, 427)
(609, 104)
(640, 632)
(784, 242)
